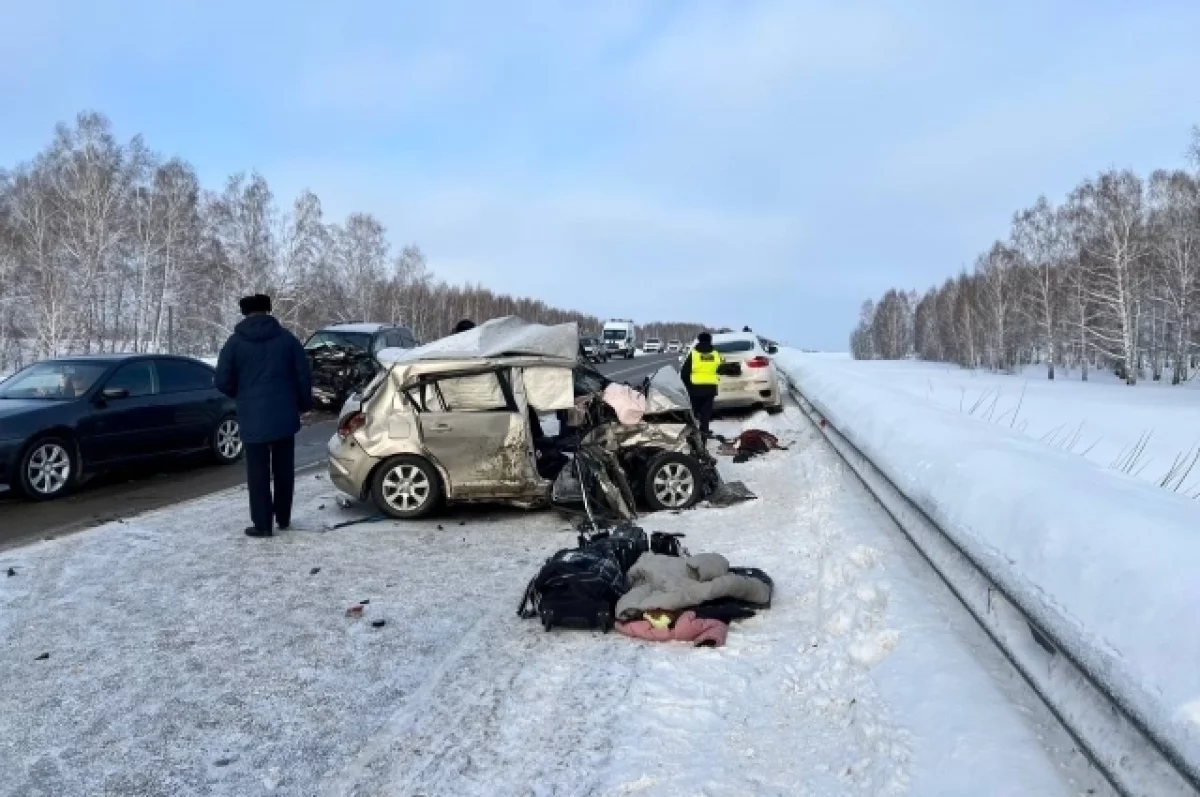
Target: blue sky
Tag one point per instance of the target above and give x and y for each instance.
(769, 163)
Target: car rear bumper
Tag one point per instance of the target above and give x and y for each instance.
(748, 393)
(349, 467)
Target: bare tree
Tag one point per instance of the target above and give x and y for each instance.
(1038, 236)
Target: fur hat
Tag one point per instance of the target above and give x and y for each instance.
(464, 325)
(258, 303)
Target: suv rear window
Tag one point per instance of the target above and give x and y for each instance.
(734, 346)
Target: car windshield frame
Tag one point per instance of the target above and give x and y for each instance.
(337, 337)
(50, 368)
(615, 334)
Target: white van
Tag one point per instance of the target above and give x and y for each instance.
(620, 338)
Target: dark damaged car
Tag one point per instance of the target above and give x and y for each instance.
(461, 420)
(343, 358)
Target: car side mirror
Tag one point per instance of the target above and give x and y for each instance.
(111, 393)
(772, 349)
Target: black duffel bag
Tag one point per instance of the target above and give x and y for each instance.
(575, 588)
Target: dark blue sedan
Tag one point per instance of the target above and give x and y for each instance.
(63, 419)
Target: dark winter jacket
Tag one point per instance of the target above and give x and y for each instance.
(264, 368)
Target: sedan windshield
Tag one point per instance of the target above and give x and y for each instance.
(331, 337)
(614, 334)
(52, 380)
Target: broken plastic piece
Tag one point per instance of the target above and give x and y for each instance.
(355, 611)
(731, 493)
(378, 623)
(42, 657)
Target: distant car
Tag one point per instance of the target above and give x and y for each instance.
(674, 347)
(343, 357)
(62, 419)
(758, 384)
(593, 350)
(652, 346)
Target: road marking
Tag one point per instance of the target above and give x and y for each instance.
(636, 367)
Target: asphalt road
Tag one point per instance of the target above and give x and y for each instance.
(122, 494)
(127, 492)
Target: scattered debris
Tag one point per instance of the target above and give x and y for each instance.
(440, 527)
(225, 761)
(730, 493)
(42, 657)
(462, 522)
(314, 571)
(320, 506)
(355, 611)
(365, 602)
(12, 571)
(356, 521)
(378, 623)
(343, 501)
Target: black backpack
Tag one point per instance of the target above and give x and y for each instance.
(575, 588)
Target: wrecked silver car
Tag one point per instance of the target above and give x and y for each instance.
(464, 419)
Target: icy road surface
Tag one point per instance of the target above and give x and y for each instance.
(187, 659)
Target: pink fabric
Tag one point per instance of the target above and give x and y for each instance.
(687, 628)
(629, 404)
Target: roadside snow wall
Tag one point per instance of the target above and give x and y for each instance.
(1107, 564)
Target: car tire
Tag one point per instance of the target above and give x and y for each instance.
(225, 442)
(48, 469)
(406, 487)
(671, 482)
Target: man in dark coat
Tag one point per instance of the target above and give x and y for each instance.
(264, 368)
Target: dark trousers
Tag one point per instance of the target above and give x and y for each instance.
(264, 460)
(702, 404)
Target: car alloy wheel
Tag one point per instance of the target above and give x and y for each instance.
(229, 439)
(674, 485)
(406, 488)
(48, 469)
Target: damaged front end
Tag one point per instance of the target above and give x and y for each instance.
(636, 446)
(338, 372)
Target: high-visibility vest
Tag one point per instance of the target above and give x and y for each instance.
(704, 367)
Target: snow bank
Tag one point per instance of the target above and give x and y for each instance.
(1104, 562)
(1147, 426)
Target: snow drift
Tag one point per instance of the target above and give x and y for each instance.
(1103, 562)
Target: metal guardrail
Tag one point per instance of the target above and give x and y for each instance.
(1135, 760)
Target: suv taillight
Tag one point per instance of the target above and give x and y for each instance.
(758, 362)
(352, 423)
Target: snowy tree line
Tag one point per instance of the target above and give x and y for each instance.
(1110, 277)
(108, 246)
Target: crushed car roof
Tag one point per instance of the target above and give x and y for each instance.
(500, 337)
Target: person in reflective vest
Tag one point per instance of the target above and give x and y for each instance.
(699, 373)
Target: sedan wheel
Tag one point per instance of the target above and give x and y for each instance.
(47, 469)
(227, 440)
(406, 487)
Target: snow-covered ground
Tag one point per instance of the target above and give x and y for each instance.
(1102, 560)
(1102, 419)
(186, 658)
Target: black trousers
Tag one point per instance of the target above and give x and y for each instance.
(702, 404)
(263, 461)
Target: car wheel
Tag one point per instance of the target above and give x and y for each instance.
(49, 469)
(406, 487)
(672, 481)
(226, 441)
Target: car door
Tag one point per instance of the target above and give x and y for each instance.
(186, 390)
(129, 426)
(471, 426)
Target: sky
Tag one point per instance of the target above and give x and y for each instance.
(737, 162)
